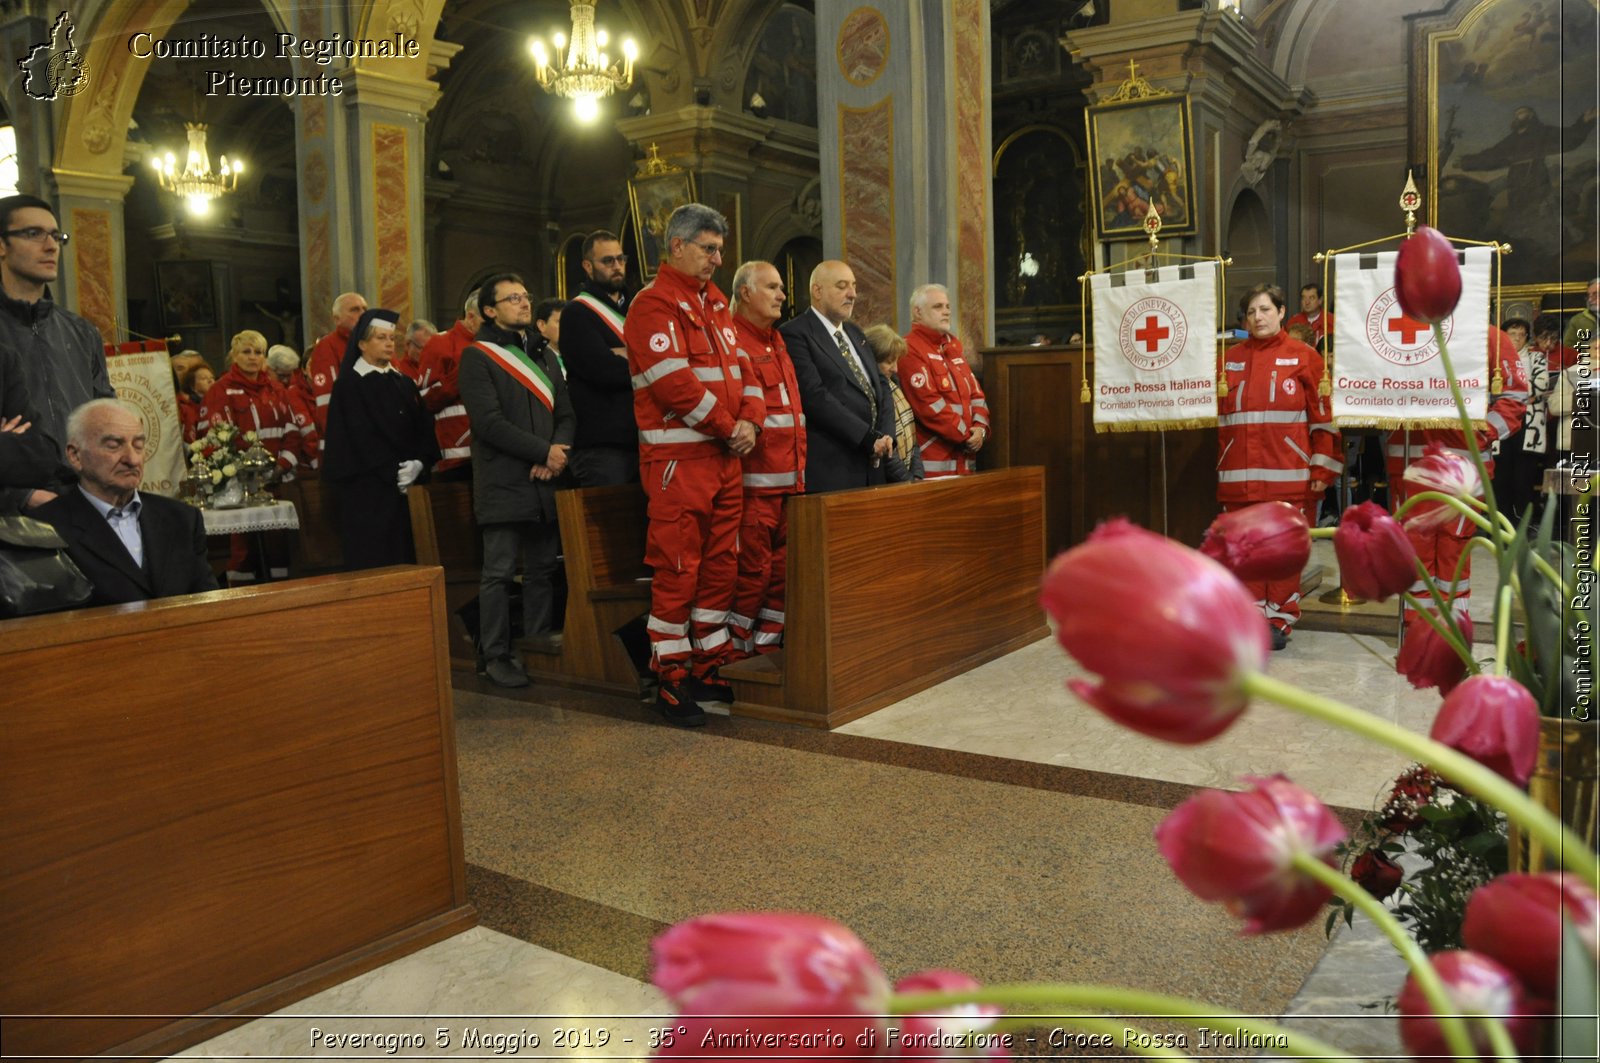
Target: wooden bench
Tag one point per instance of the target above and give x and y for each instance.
(175, 852)
(446, 534)
(315, 548)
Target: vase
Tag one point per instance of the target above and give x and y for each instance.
(1563, 782)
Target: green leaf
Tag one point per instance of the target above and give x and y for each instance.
(1576, 992)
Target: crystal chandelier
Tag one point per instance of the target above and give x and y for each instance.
(196, 184)
(586, 73)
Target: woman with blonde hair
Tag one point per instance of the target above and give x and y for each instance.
(905, 464)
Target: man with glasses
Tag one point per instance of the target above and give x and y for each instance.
(62, 356)
(408, 358)
(698, 406)
(606, 450)
(522, 427)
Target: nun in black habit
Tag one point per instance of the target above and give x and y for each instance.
(379, 442)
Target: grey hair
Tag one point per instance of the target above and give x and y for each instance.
(78, 419)
(282, 358)
(919, 296)
(742, 277)
(341, 297)
(692, 219)
(421, 324)
(471, 305)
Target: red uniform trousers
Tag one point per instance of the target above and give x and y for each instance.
(1441, 549)
(692, 547)
(1278, 599)
(757, 620)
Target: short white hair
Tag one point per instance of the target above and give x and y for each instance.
(743, 277)
(282, 358)
(338, 303)
(919, 296)
(78, 419)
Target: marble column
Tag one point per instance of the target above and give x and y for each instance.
(89, 207)
(904, 143)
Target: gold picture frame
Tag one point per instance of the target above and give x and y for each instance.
(653, 198)
(1141, 158)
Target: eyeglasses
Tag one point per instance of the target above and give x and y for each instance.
(711, 250)
(34, 234)
(613, 260)
(517, 297)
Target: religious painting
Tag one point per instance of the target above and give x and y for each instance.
(1038, 219)
(653, 198)
(1140, 161)
(188, 295)
(1503, 115)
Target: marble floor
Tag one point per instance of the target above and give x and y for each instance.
(1008, 723)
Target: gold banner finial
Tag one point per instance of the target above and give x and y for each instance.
(1410, 202)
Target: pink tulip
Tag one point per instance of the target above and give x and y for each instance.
(806, 975)
(1516, 919)
(1237, 848)
(1493, 720)
(1427, 276)
(1443, 470)
(1427, 660)
(954, 1032)
(1376, 558)
(1269, 540)
(1377, 874)
(1169, 632)
(1476, 985)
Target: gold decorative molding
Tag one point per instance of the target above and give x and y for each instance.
(1135, 88)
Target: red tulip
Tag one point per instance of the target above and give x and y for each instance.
(951, 1032)
(1516, 919)
(1493, 720)
(1236, 848)
(793, 975)
(1443, 470)
(1427, 660)
(1476, 985)
(1269, 540)
(1376, 558)
(1168, 631)
(1427, 277)
(1377, 874)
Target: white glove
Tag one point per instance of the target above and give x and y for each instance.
(409, 471)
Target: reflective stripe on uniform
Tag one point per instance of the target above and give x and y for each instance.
(708, 616)
(1274, 476)
(657, 371)
(778, 420)
(673, 435)
(457, 410)
(1263, 417)
(771, 479)
(702, 410)
(655, 623)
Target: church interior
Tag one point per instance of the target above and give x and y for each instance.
(964, 810)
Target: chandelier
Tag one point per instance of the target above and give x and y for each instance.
(196, 184)
(585, 74)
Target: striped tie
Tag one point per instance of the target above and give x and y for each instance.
(860, 374)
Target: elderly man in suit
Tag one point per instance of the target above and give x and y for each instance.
(131, 546)
(849, 410)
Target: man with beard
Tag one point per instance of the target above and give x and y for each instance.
(606, 450)
(1522, 152)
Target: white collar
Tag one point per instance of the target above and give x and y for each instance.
(364, 367)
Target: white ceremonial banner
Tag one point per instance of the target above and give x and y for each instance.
(144, 379)
(1155, 348)
(1387, 372)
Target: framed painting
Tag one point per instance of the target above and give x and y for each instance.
(188, 295)
(1141, 160)
(1503, 124)
(653, 198)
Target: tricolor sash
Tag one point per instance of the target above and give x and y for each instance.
(605, 312)
(527, 372)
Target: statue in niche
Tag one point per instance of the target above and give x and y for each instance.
(1261, 150)
(1037, 193)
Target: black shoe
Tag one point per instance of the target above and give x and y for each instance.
(673, 702)
(1280, 637)
(711, 691)
(504, 672)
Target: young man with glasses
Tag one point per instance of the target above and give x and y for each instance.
(606, 450)
(62, 357)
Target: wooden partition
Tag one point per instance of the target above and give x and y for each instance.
(445, 533)
(895, 589)
(216, 805)
(1165, 481)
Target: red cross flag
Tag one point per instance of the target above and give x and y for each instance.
(1155, 348)
(1387, 372)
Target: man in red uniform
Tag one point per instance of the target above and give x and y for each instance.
(283, 362)
(1443, 545)
(323, 364)
(698, 408)
(1311, 314)
(774, 470)
(952, 414)
(408, 356)
(441, 358)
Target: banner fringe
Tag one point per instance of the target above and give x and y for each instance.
(1155, 426)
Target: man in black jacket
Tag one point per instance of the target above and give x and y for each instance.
(606, 448)
(849, 409)
(522, 427)
(131, 546)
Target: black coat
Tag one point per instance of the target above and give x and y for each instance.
(174, 548)
(512, 430)
(839, 429)
(600, 382)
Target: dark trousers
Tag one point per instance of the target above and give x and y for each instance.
(602, 466)
(538, 544)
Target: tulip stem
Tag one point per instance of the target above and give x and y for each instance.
(1467, 428)
(1468, 511)
(1119, 1001)
(1460, 769)
(1428, 980)
(1142, 1043)
(1499, 1037)
(1324, 533)
(1502, 630)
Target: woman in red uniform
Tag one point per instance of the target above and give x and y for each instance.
(1275, 436)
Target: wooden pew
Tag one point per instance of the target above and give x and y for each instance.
(220, 836)
(445, 534)
(895, 589)
(315, 548)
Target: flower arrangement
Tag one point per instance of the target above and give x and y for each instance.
(219, 451)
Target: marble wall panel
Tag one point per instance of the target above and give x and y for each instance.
(319, 280)
(866, 206)
(94, 269)
(391, 217)
(971, 171)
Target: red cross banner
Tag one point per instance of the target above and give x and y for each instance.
(1387, 372)
(142, 375)
(1155, 348)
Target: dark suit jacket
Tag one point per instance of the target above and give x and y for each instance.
(838, 413)
(174, 548)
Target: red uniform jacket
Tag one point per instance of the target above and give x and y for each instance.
(323, 369)
(1320, 327)
(441, 359)
(1275, 434)
(261, 406)
(1507, 408)
(188, 417)
(946, 399)
(778, 464)
(690, 380)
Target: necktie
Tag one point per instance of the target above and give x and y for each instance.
(856, 370)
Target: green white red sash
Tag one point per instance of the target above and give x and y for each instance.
(604, 310)
(527, 372)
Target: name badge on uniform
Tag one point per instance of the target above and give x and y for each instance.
(1234, 367)
(1288, 361)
